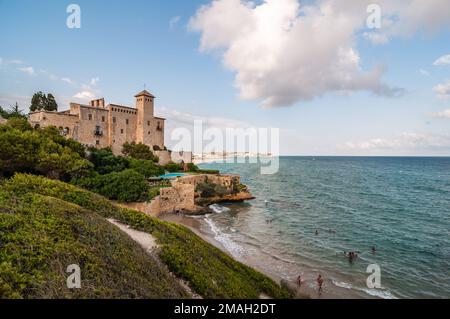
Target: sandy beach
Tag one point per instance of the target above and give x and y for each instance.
(308, 289)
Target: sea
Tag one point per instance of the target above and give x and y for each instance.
(306, 216)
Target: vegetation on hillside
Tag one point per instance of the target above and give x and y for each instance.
(138, 151)
(41, 236)
(43, 152)
(210, 272)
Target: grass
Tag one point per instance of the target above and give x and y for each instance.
(40, 236)
(210, 272)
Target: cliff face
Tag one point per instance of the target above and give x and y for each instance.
(192, 193)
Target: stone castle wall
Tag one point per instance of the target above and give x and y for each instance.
(107, 126)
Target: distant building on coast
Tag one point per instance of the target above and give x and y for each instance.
(112, 125)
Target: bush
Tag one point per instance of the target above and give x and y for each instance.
(125, 186)
(192, 167)
(206, 189)
(139, 151)
(33, 151)
(19, 123)
(173, 167)
(41, 235)
(106, 162)
(146, 168)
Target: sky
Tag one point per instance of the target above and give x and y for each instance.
(336, 77)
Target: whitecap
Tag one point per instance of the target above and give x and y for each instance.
(224, 239)
(218, 209)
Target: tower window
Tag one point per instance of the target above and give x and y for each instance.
(126, 121)
(103, 119)
(90, 117)
(148, 123)
(97, 142)
(121, 131)
(114, 119)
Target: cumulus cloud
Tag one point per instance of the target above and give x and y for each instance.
(443, 90)
(283, 53)
(407, 17)
(29, 70)
(84, 95)
(443, 60)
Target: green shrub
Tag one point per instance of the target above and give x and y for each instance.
(192, 167)
(139, 151)
(19, 123)
(146, 168)
(34, 151)
(106, 162)
(40, 236)
(206, 189)
(124, 186)
(173, 167)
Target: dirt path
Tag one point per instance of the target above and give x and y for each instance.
(148, 242)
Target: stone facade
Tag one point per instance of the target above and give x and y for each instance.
(2, 120)
(111, 125)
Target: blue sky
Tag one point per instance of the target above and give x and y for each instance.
(122, 45)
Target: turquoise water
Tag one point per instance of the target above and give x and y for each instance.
(172, 175)
(400, 205)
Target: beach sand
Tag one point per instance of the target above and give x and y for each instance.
(308, 289)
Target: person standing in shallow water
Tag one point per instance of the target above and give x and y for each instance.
(320, 283)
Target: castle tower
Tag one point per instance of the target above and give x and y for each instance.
(145, 118)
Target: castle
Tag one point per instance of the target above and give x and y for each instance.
(112, 125)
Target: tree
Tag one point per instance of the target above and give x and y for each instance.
(106, 162)
(51, 103)
(138, 151)
(14, 111)
(40, 101)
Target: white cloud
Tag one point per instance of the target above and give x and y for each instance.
(84, 95)
(445, 114)
(67, 80)
(424, 72)
(283, 53)
(404, 142)
(29, 70)
(407, 17)
(443, 90)
(94, 81)
(443, 60)
(173, 22)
